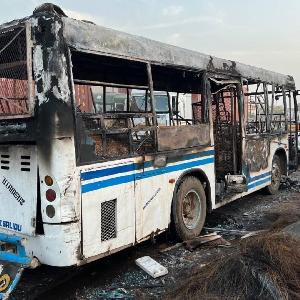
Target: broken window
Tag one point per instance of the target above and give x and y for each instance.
(266, 108)
(113, 108)
(15, 80)
(277, 108)
(184, 123)
(257, 103)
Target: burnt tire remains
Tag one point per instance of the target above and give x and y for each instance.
(189, 209)
(276, 174)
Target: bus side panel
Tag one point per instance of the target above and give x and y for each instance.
(257, 180)
(108, 207)
(155, 188)
(261, 157)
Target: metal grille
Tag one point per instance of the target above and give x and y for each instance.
(13, 72)
(108, 220)
(5, 161)
(25, 163)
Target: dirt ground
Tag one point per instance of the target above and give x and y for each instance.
(117, 276)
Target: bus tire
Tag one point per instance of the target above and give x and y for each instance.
(189, 209)
(276, 174)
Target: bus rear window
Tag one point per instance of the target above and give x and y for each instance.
(14, 83)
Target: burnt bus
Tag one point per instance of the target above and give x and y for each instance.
(83, 177)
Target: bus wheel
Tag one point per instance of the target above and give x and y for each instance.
(276, 174)
(189, 209)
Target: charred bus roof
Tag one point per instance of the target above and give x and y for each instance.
(88, 37)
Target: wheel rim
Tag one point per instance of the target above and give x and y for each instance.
(191, 209)
(276, 175)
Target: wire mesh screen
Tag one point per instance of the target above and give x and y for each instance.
(13, 72)
(108, 220)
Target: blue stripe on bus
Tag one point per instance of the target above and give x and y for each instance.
(147, 174)
(260, 182)
(107, 172)
(251, 179)
(132, 167)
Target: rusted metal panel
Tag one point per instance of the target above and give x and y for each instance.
(90, 37)
(171, 138)
(257, 151)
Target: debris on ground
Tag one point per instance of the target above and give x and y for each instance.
(265, 266)
(178, 245)
(115, 294)
(253, 213)
(193, 244)
(253, 233)
(151, 267)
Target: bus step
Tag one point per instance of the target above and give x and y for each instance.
(236, 183)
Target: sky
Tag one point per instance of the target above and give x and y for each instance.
(263, 33)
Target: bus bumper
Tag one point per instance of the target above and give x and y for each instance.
(13, 260)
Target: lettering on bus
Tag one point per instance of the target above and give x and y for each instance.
(13, 191)
(10, 225)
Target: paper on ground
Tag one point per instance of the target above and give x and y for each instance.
(152, 267)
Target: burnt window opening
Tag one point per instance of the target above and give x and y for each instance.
(119, 114)
(266, 108)
(184, 122)
(14, 83)
(112, 120)
(184, 93)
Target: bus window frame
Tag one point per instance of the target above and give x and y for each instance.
(268, 108)
(152, 111)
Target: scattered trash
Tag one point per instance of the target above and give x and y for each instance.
(152, 267)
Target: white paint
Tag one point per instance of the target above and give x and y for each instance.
(125, 215)
(16, 186)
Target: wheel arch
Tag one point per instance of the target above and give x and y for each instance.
(199, 174)
(283, 158)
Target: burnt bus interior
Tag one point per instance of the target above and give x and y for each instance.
(113, 129)
(108, 131)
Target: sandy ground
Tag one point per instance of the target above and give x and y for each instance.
(117, 276)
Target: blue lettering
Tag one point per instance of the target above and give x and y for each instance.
(10, 225)
(17, 227)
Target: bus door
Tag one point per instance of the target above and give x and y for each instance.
(108, 207)
(227, 133)
(293, 126)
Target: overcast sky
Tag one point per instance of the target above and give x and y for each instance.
(265, 33)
